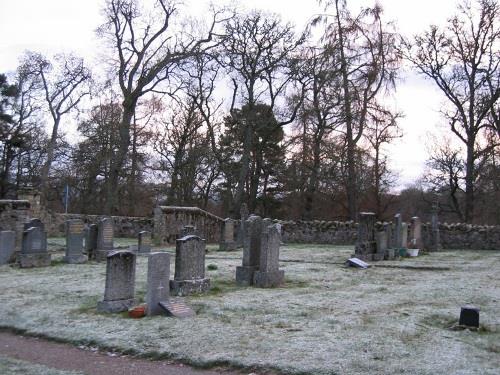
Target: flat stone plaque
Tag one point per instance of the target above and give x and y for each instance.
(355, 262)
(177, 308)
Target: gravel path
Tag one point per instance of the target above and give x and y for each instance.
(69, 358)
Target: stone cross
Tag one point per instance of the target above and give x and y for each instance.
(189, 274)
(269, 275)
(144, 242)
(34, 249)
(227, 242)
(91, 241)
(158, 287)
(7, 246)
(74, 242)
(105, 233)
(251, 251)
(119, 289)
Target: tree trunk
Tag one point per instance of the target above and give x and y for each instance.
(313, 183)
(469, 181)
(44, 178)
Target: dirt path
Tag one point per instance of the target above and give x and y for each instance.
(67, 357)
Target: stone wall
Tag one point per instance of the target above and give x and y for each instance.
(13, 215)
(466, 236)
(124, 226)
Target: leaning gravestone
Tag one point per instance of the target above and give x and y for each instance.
(74, 242)
(269, 275)
(144, 242)
(104, 238)
(91, 241)
(251, 251)
(120, 282)
(34, 249)
(227, 242)
(189, 274)
(158, 288)
(7, 246)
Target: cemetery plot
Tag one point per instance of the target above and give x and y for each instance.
(326, 317)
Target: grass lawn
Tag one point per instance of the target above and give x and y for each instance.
(326, 319)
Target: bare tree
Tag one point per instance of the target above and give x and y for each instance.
(463, 60)
(62, 86)
(149, 46)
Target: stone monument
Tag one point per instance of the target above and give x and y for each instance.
(227, 242)
(74, 242)
(251, 251)
(269, 275)
(34, 249)
(158, 288)
(105, 233)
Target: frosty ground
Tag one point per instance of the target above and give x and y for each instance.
(326, 319)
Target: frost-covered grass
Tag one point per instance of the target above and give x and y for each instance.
(327, 319)
(15, 366)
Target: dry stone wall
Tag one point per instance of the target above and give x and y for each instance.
(13, 215)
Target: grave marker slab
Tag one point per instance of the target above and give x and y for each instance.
(398, 244)
(144, 242)
(34, 249)
(189, 274)
(355, 262)
(469, 316)
(227, 242)
(105, 233)
(251, 251)
(7, 246)
(91, 241)
(158, 287)
(74, 242)
(269, 275)
(177, 308)
(120, 282)
(416, 232)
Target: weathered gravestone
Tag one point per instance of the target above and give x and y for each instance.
(105, 233)
(227, 242)
(382, 247)
(397, 231)
(251, 251)
(241, 229)
(390, 253)
(366, 246)
(404, 238)
(7, 246)
(144, 242)
(269, 275)
(177, 308)
(469, 316)
(435, 237)
(189, 274)
(74, 242)
(91, 233)
(158, 288)
(34, 249)
(37, 223)
(416, 233)
(355, 262)
(120, 282)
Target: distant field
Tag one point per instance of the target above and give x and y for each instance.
(326, 319)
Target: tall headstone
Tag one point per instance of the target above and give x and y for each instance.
(398, 244)
(382, 247)
(251, 251)
(34, 249)
(227, 242)
(366, 247)
(105, 234)
(119, 290)
(158, 288)
(74, 242)
(7, 246)
(404, 235)
(91, 233)
(435, 237)
(241, 229)
(269, 275)
(416, 232)
(189, 277)
(144, 242)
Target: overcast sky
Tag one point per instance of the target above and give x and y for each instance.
(52, 26)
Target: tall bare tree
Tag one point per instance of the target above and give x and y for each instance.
(463, 60)
(148, 47)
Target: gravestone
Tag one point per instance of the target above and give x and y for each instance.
(177, 308)
(404, 235)
(435, 237)
(91, 241)
(355, 262)
(74, 242)
(269, 275)
(34, 249)
(227, 242)
(397, 231)
(7, 246)
(241, 229)
(366, 246)
(189, 274)
(158, 287)
(469, 316)
(120, 282)
(144, 242)
(37, 223)
(381, 240)
(104, 238)
(416, 233)
(251, 251)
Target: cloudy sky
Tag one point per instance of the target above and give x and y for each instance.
(52, 26)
